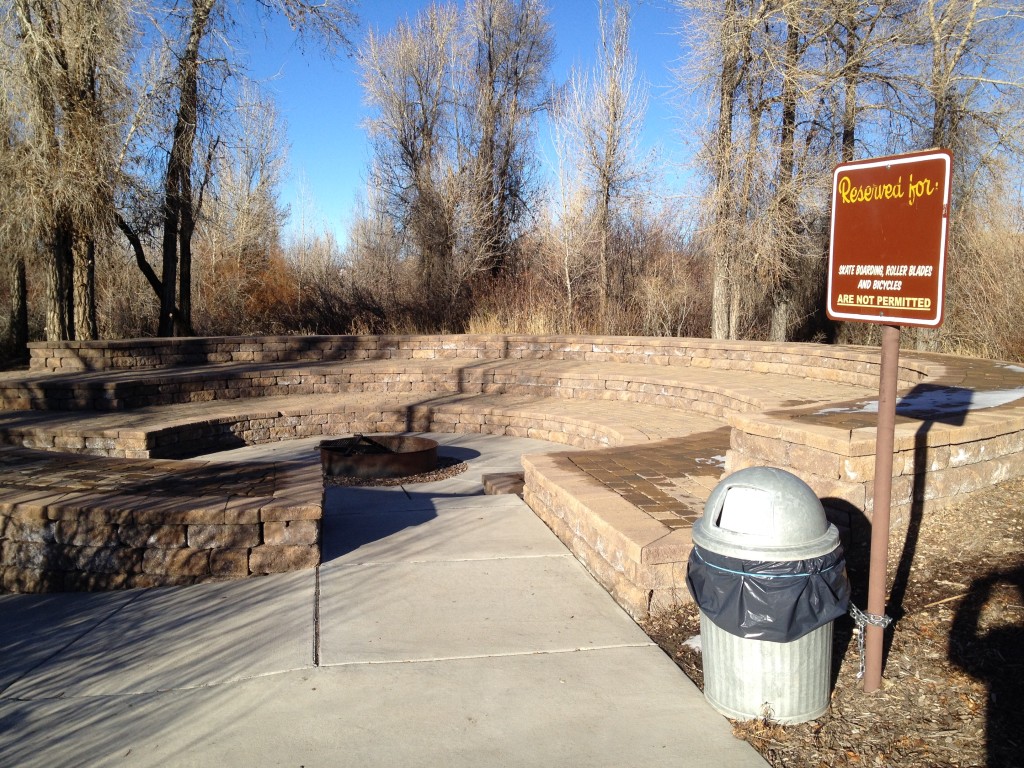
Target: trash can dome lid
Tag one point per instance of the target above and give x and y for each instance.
(765, 513)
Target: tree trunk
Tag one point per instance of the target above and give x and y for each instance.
(169, 251)
(603, 215)
(186, 227)
(733, 328)
(85, 289)
(178, 225)
(787, 212)
(722, 323)
(851, 76)
(781, 312)
(19, 310)
(59, 296)
(721, 319)
(184, 317)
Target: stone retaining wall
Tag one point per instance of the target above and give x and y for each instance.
(934, 464)
(93, 540)
(850, 365)
(656, 386)
(252, 427)
(640, 561)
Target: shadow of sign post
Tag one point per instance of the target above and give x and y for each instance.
(887, 252)
(932, 405)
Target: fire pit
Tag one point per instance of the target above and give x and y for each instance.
(380, 456)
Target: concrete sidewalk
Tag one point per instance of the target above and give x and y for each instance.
(444, 628)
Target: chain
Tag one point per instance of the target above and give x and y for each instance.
(862, 619)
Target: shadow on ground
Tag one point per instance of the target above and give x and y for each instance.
(986, 641)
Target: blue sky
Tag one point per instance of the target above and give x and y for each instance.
(322, 103)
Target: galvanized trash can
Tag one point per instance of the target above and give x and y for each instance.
(769, 576)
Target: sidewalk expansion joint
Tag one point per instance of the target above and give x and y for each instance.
(316, 618)
(478, 656)
(70, 643)
(486, 559)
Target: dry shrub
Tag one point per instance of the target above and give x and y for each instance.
(984, 313)
(385, 296)
(661, 287)
(240, 285)
(668, 298)
(523, 304)
(219, 297)
(272, 299)
(126, 306)
(674, 299)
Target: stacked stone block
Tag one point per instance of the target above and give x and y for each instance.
(934, 465)
(61, 532)
(849, 365)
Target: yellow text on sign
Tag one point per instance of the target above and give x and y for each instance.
(850, 193)
(910, 303)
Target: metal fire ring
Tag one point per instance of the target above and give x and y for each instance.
(379, 456)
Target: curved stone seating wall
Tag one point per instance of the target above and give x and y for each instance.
(934, 464)
(698, 391)
(851, 365)
(637, 558)
(199, 429)
(798, 406)
(254, 429)
(338, 419)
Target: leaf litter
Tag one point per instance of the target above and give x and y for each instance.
(952, 690)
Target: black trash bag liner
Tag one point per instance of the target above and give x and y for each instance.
(765, 600)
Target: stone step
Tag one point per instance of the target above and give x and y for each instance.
(705, 390)
(499, 483)
(184, 430)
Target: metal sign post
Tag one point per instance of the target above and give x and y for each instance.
(890, 220)
(879, 559)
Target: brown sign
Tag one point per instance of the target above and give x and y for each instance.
(890, 217)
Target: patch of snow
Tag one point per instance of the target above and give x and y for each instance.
(939, 401)
(870, 406)
(997, 397)
(714, 461)
(694, 643)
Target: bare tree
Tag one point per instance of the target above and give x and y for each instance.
(16, 237)
(792, 84)
(454, 104)
(243, 217)
(790, 227)
(720, 38)
(65, 74)
(567, 232)
(238, 235)
(603, 113)
(375, 267)
(192, 80)
(407, 78)
(513, 48)
(971, 92)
